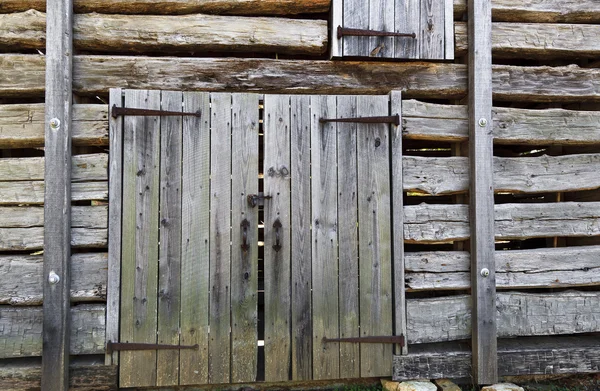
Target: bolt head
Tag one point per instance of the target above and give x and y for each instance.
(53, 278)
(483, 122)
(55, 123)
(485, 272)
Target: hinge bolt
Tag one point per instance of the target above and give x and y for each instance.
(482, 122)
(55, 123)
(485, 272)
(53, 278)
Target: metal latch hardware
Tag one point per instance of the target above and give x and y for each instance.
(343, 31)
(113, 346)
(119, 111)
(397, 339)
(257, 199)
(390, 119)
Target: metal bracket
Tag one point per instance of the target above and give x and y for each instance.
(257, 199)
(395, 339)
(390, 119)
(114, 346)
(343, 31)
(120, 111)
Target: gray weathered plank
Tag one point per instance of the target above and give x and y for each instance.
(325, 310)
(18, 239)
(381, 18)
(22, 278)
(195, 239)
(355, 15)
(408, 20)
(432, 31)
(300, 139)
(244, 262)
(347, 183)
(139, 265)
(91, 167)
(449, 30)
(337, 19)
(33, 216)
(169, 262)
(219, 345)
(22, 330)
(32, 192)
(374, 227)
(277, 167)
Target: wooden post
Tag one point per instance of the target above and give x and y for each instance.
(483, 281)
(57, 197)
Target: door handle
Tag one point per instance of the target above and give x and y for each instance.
(277, 230)
(245, 225)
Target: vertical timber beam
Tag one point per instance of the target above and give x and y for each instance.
(483, 280)
(57, 197)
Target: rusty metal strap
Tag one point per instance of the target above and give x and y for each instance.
(120, 111)
(390, 119)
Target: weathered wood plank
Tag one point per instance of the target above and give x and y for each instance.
(32, 192)
(408, 20)
(381, 18)
(450, 175)
(277, 166)
(518, 314)
(355, 14)
(325, 311)
(22, 278)
(244, 260)
(219, 345)
(431, 34)
(92, 167)
(348, 237)
(374, 233)
(302, 342)
(428, 121)
(195, 240)
(22, 125)
(18, 239)
(22, 330)
(26, 217)
(232, 7)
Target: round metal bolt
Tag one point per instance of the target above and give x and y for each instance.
(55, 123)
(53, 278)
(485, 272)
(482, 122)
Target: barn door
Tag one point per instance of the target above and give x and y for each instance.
(254, 230)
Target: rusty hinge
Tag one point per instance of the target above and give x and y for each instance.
(119, 111)
(113, 346)
(343, 31)
(397, 339)
(257, 199)
(389, 119)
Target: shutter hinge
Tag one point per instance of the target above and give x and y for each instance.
(120, 111)
(389, 119)
(114, 346)
(344, 31)
(397, 339)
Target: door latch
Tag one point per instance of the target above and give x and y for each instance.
(257, 199)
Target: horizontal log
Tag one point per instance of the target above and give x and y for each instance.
(21, 278)
(535, 40)
(450, 175)
(22, 125)
(518, 314)
(22, 330)
(226, 7)
(427, 223)
(32, 192)
(20, 239)
(33, 216)
(516, 357)
(91, 167)
(171, 34)
(23, 75)
(429, 121)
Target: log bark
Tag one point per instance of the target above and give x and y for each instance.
(22, 330)
(21, 278)
(91, 167)
(171, 34)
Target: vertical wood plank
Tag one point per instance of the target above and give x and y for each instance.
(481, 191)
(277, 240)
(301, 239)
(408, 20)
(356, 15)
(381, 18)
(140, 239)
(115, 190)
(57, 195)
(374, 224)
(432, 29)
(449, 29)
(195, 239)
(244, 262)
(348, 237)
(398, 223)
(337, 19)
(169, 273)
(220, 239)
(324, 238)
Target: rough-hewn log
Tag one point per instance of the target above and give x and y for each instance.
(22, 125)
(21, 278)
(92, 167)
(32, 192)
(450, 175)
(17, 239)
(173, 34)
(519, 314)
(445, 223)
(22, 75)
(227, 7)
(33, 216)
(15, 376)
(22, 330)
(429, 121)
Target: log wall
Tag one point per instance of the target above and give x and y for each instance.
(546, 125)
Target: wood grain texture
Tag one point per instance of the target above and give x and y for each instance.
(355, 14)
(22, 330)
(431, 36)
(381, 18)
(91, 167)
(408, 20)
(19, 239)
(32, 192)
(22, 278)
(33, 216)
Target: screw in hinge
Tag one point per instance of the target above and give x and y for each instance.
(53, 278)
(485, 272)
(482, 122)
(54, 123)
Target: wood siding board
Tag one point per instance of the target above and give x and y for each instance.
(408, 20)
(17, 239)
(381, 18)
(431, 34)
(140, 236)
(244, 263)
(356, 14)
(33, 216)
(337, 19)
(220, 240)
(302, 335)
(195, 250)
(89, 167)
(374, 217)
(348, 237)
(277, 263)
(32, 192)
(448, 30)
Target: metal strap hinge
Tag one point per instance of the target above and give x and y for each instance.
(257, 199)
(344, 31)
(120, 111)
(389, 119)
(396, 339)
(114, 346)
